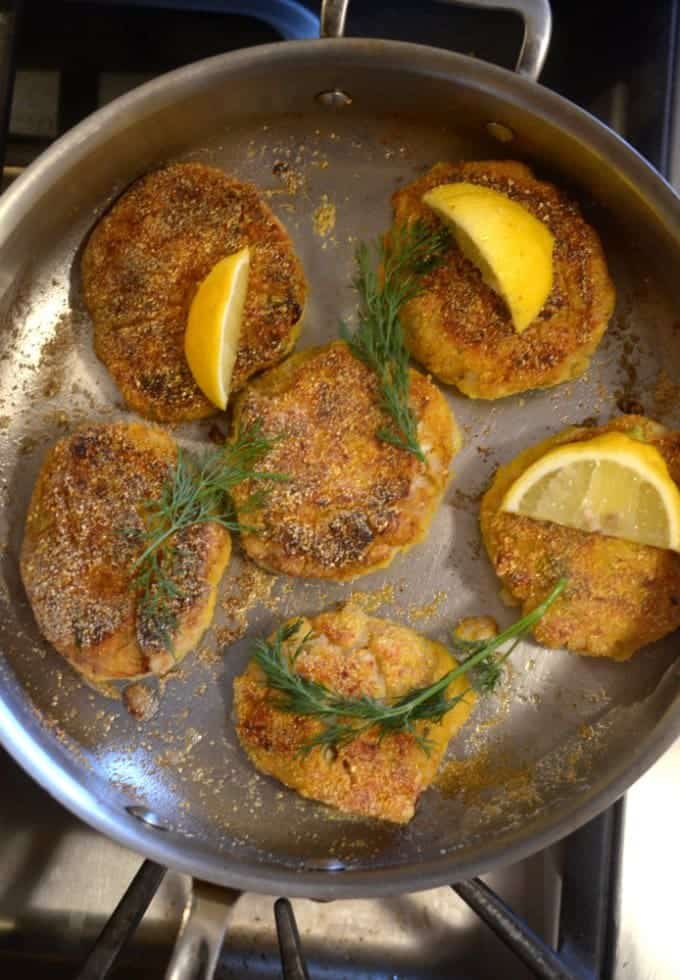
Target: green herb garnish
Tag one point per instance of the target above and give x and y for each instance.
(196, 491)
(388, 275)
(344, 719)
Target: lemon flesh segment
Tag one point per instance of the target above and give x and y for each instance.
(214, 326)
(611, 484)
(512, 249)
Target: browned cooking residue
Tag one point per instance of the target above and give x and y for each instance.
(627, 404)
(252, 587)
(628, 365)
(666, 396)
(576, 754)
(293, 180)
(467, 501)
(53, 356)
(27, 444)
(471, 780)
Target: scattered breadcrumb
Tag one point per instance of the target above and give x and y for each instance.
(416, 613)
(252, 587)
(324, 217)
(370, 602)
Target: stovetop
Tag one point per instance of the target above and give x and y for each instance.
(60, 880)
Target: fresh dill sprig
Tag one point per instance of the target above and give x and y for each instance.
(388, 275)
(196, 491)
(345, 718)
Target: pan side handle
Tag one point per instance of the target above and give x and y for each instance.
(537, 17)
(332, 18)
(536, 14)
(202, 932)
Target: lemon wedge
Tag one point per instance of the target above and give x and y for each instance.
(611, 484)
(511, 248)
(214, 326)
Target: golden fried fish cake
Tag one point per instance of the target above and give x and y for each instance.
(461, 330)
(143, 263)
(620, 595)
(81, 541)
(351, 501)
(353, 654)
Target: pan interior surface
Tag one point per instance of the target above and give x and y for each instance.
(565, 731)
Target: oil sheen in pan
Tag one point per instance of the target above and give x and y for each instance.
(559, 718)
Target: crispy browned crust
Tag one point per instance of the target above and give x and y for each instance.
(355, 655)
(351, 501)
(143, 263)
(80, 545)
(461, 330)
(620, 596)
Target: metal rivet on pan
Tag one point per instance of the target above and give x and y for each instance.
(334, 97)
(146, 816)
(500, 132)
(324, 864)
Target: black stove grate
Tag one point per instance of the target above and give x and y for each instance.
(586, 925)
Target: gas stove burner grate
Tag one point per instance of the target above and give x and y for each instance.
(586, 925)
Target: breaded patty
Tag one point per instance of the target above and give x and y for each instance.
(620, 595)
(82, 539)
(351, 501)
(461, 330)
(353, 654)
(143, 263)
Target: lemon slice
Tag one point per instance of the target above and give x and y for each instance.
(511, 248)
(611, 484)
(214, 326)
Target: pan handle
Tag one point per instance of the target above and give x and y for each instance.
(332, 18)
(536, 14)
(537, 17)
(201, 934)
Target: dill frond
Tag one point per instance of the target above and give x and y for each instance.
(389, 274)
(196, 491)
(344, 718)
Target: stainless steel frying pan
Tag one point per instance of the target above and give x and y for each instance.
(350, 120)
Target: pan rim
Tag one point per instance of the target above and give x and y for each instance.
(31, 752)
